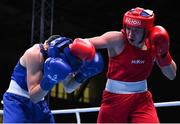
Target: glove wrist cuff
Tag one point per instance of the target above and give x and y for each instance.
(45, 84)
(164, 60)
(80, 78)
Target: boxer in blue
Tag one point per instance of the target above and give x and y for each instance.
(39, 69)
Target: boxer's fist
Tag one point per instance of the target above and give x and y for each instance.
(83, 49)
(55, 70)
(160, 38)
(90, 68)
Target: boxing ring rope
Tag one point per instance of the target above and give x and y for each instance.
(95, 109)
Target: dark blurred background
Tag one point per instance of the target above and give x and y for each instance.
(21, 25)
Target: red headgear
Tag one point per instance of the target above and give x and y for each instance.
(139, 17)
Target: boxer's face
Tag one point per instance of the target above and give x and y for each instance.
(135, 35)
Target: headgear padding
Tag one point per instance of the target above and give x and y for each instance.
(139, 17)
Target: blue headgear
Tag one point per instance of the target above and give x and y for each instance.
(57, 46)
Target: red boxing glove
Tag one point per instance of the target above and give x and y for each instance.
(83, 49)
(160, 39)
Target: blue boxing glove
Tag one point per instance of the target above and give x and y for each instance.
(57, 46)
(90, 69)
(55, 70)
(73, 61)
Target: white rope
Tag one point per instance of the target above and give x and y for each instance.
(167, 104)
(95, 109)
(68, 111)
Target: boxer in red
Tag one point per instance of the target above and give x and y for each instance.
(132, 53)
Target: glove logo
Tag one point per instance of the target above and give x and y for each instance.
(53, 78)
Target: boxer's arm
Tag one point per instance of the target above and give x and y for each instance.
(32, 62)
(110, 39)
(170, 70)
